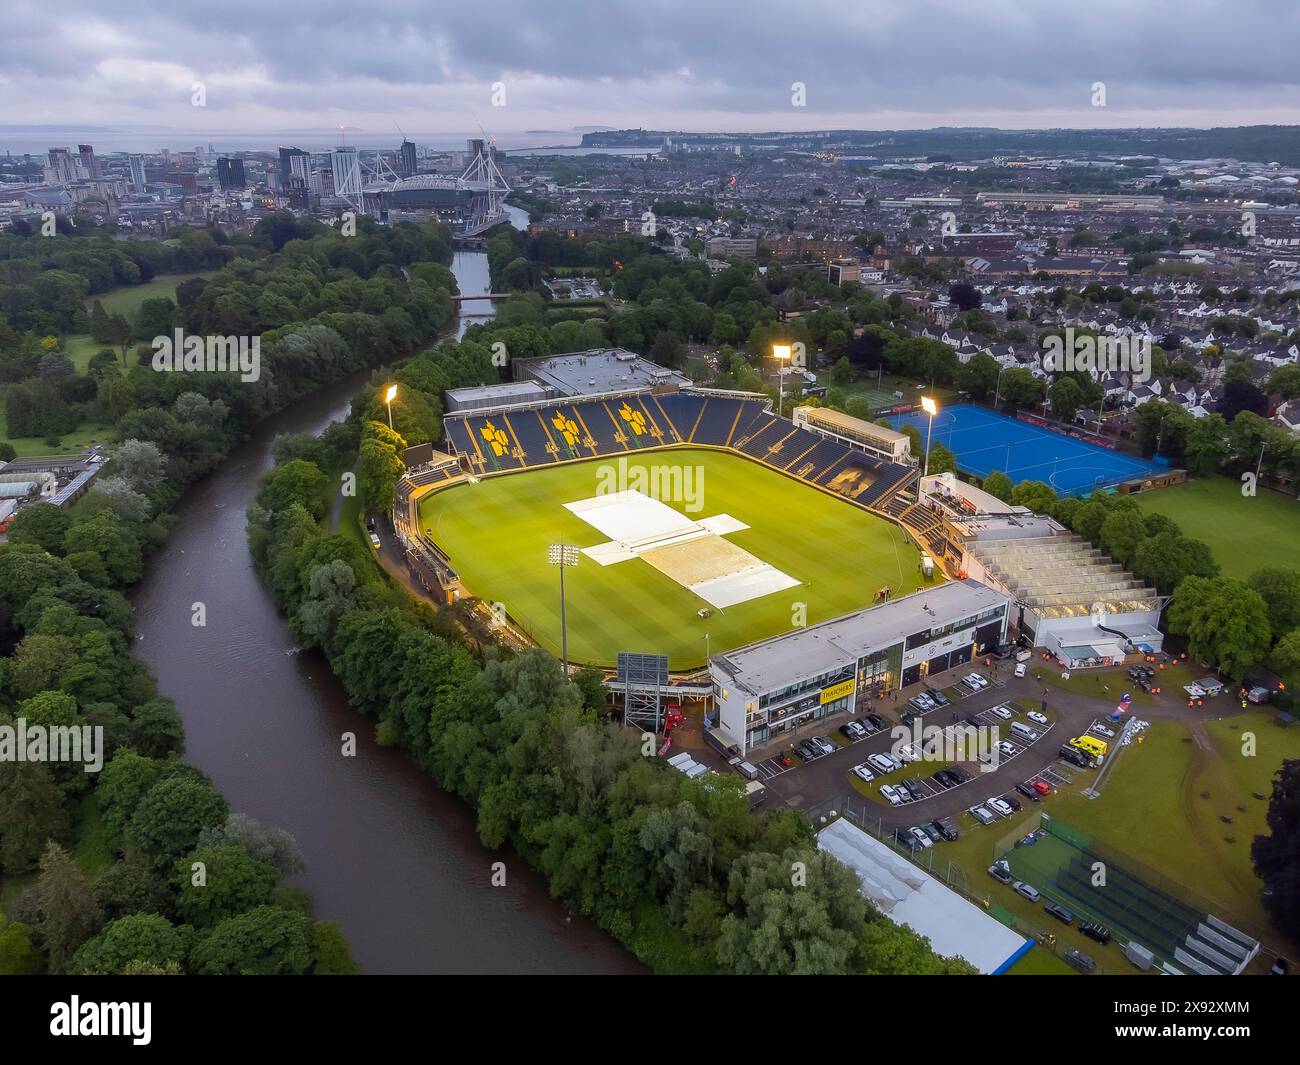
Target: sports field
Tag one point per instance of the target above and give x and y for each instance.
(1244, 532)
(983, 442)
(772, 551)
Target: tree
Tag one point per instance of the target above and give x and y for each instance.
(979, 376)
(42, 524)
(1066, 397)
(262, 942)
(230, 881)
(330, 954)
(1276, 856)
(999, 484)
(296, 482)
(171, 815)
(965, 296)
(1038, 496)
(62, 906)
(1122, 533)
(1280, 589)
(1167, 557)
(1286, 381)
(1207, 441)
(379, 468)
(131, 940)
(109, 537)
(1021, 388)
(17, 955)
(33, 810)
(941, 459)
(1285, 659)
(1225, 622)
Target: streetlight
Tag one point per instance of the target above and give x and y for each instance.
(997, 387)
(782, 353)
(391, 395)
(563, 556)
(931, 408)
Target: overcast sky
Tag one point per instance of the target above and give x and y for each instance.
(275, 65)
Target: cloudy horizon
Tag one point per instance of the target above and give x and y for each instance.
(438, 71)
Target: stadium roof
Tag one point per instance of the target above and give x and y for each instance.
(597, 372)
(908, 895)
(778, 662)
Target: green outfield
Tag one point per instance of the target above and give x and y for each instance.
(1244, 532)
(496, 533)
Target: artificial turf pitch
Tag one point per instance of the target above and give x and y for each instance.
(496, 533)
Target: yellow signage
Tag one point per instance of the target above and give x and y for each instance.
(837, 691)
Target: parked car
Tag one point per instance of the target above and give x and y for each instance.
(881, 763)
(1041, 786)
(853, 730)
(982, 815)
(863, 773)
(943, 779)
(1096, 931)
(1074, 756)
(939, 698)
(921, 837)
(978, 682)
(1279, 968)
(907, 753)
(1024, 656)
(1001, 872)
(999, 806)
(875, 721)
(958, 774)
(947, 828)
(915, 789)
(1011, 801)
(1027, 891)
(824, 745)
(1027, 790)
(1059, 912)
(891, 794)
(374, 540)
(1034, 715)
(1080, 961)
(1020, 669)
(931, 829)
(1009, 749)
(905, 838)
(1103, 730)
(807, 751)
(974, 721)
(907, 718)
(1001, 711)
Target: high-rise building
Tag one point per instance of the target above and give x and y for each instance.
(138, 181)
(293, 162)
(61, 168)
(230, 173)
(345, 165)
(408, 158)
(88, 161)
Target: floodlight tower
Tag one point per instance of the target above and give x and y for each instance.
(563, 556)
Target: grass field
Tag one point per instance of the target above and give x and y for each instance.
(496, 533)
(1244, 532)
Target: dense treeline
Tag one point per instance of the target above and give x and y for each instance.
(149, 821)
(679, 870)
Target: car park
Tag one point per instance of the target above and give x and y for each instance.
(974, 721)
(1074, 756)
(907, 718)
(891, 794)
(1001, 872)
(942, 779)
(881, 763)
(1028, 792)
(1096, 931)
(958, 774)
(876, 721)
(1000, 711)
(1103, 730)
(931, 829)
(1009, 749)
(1059, 912)
(998, 806)
(807, 751)
(853, 730)
(1041, 787)
(1080, 961)
(904, 838)
(1020, 669)
(982, 815)
(1011, 801)
(1034, 715)
(1024, 890)
(863, 773)
(823, 744)
(921, 837)
(915, 789)
(907, 753)
(939, 698)
(947, 829)
(1024, 732)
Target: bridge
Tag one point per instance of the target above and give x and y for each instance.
(483, 296)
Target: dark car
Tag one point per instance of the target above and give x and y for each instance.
(806, 751)
(958, 775)
(939, 698)
(1000, 872)
(1080, 961)
(1059, 912)
(1096, 931)
(1011, 801)
(947, 829)
(915, 788)
(944, 778)
(904, 837)
(972, 719)
(1073, 756)
(877, 721)
(907, 718)
(852, 730)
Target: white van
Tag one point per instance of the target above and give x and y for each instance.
(1022, 730)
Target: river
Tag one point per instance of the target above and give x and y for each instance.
(390, 856)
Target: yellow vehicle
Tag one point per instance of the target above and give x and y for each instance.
(1091, 745)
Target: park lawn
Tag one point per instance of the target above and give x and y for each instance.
(1152, 807)
(70, 443)
(1109, 684)
(1244, 532)
(496, 534)
(126, 299)
(1041, 962)
(350, 522)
